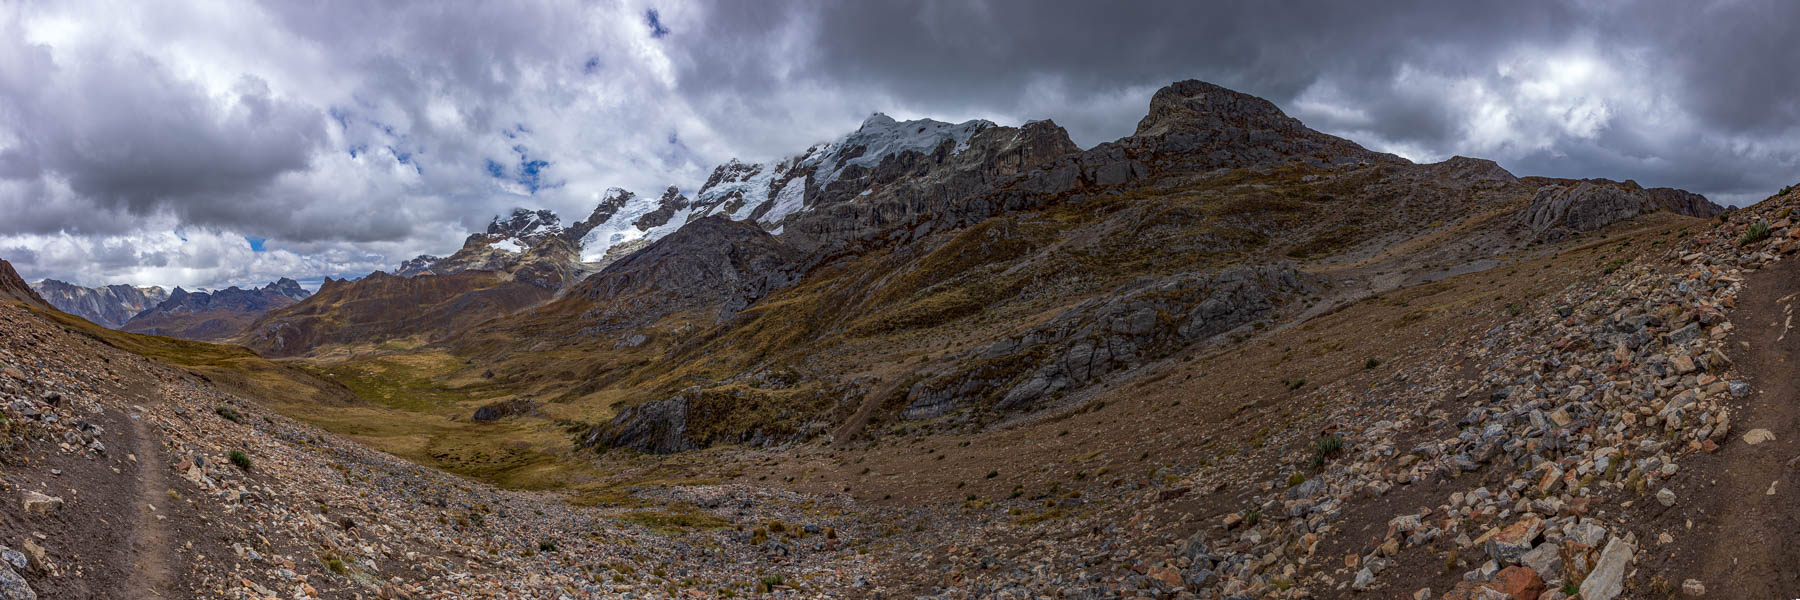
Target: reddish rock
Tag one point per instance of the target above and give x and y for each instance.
(1522, 583)
(1171, 579)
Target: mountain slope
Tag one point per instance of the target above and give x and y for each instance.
(110, 306)
(382, 307)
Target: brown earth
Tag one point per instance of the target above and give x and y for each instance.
(1738, 543)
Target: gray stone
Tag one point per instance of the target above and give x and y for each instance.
(1586, 532)
(13, 587)
(1545, 559)
(1607, 579)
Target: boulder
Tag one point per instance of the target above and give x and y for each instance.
(1607, 579)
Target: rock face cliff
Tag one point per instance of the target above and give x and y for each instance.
(1144, 321)
(1564, 207)
(214, 315)
(107, 306)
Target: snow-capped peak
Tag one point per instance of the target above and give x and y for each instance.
(877, 119)
(881, 136)
(613, 222)
(769, 193)
(527, 226)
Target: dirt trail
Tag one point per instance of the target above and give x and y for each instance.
(149, 540)
(1744, 499)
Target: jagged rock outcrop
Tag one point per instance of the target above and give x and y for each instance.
(1564, 207)
(503, 409)
(214, 315)
(107, 306)
(1144, 321)
(655, 427)
(710, 262)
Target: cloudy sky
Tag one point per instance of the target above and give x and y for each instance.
(206, 143)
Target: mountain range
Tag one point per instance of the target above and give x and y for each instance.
(192, 315)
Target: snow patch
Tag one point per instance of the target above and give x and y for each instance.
(508, 245)
(882, 136)
(618, 228)
(791, 199)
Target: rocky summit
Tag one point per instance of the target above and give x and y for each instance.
(1226, 356)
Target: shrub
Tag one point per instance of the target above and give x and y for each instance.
(229, 414)
(1325, 449)
(546, 546)
(1371, 363)
(1756, 233)
(240, 459)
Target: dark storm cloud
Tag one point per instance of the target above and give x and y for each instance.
(1719, 68)
(143, 141)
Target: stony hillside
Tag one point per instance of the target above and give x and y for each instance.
(214, 315)
(129, 478)
(109, 306)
